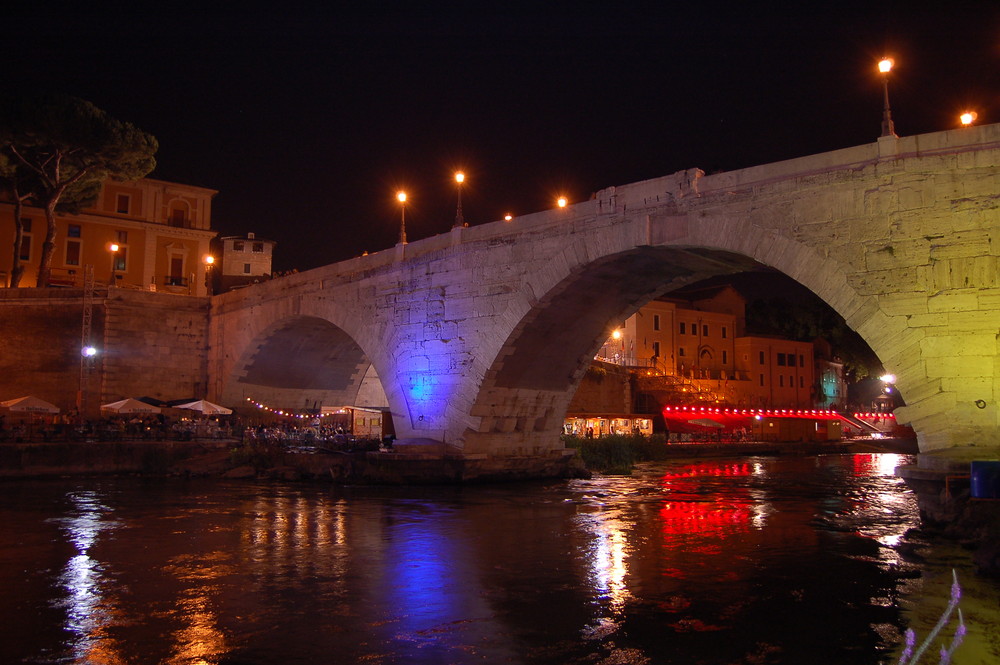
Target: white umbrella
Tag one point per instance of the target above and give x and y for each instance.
(205, 407)
(29, 404)
(129, 405)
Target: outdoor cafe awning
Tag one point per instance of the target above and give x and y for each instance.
(30, 404)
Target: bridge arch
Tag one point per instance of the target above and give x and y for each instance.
(526, 391)
(303, 362)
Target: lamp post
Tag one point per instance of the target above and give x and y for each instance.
(459, 218)
(209, 263)
(562, 201)
(113, 247)
(885, 66)
(968, 118)
(401, 196)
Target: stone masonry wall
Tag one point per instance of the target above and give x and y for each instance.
(152, 344)
(155, 344)
(40, 342)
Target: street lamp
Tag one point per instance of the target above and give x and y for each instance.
(508, 217)
(459, 218)
(968, 118)
(885, 66)
(562, 201)
(209, 263)
(113, 247)
(401, 197)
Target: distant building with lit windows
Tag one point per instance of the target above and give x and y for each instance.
(242, 260)
(696, 351)
(162, 231)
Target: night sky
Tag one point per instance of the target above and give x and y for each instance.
(307, 121)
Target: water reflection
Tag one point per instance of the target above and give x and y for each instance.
(90, 608)
(682, 562)
(607, 556)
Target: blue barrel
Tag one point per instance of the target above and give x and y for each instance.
(985, 480)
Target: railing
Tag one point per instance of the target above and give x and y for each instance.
(64, 277)
(174, 281)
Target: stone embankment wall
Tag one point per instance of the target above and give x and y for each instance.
(40, 341)
(605, 389)
(42, 460)
(152, 344)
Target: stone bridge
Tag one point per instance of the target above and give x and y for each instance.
(479, 337)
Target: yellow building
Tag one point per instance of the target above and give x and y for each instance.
(699, 349)
(150, 235)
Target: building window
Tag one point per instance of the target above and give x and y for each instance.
(122, 237)
(121, 259)
(802, 382)
(121, 256)
(656, 322)
(781, 360)
(258, 247)
(680, 351)
(178, 217)
(802, 360)
(73, 231)
(704, 331)
(761, 357)
(122, 204)
(656, 349)
(725, 357)
(761, 379)
(72, 252)
(683, 327)
(781, 380)
(239, 246)
(246, 268)
(723, 332)
(176, 276)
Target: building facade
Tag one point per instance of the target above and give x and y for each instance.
(698, 350)
(242, 260)
(148, 235)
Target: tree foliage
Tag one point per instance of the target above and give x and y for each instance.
(55, 150)
(804, 322)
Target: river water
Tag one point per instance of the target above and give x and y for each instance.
(714, 561)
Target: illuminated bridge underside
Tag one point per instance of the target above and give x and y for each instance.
(570, 324)
(481, 335)
(304, 356)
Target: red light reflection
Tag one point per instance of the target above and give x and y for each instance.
(691, 510)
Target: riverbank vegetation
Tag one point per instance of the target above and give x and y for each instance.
(618, 453)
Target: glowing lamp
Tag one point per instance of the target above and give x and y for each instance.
(885, 65)
(968, 118)
(887, 378)
(401, 196)
(617, 334)
(459, 177)
(562, 201)
(88, 352)
(508, 217)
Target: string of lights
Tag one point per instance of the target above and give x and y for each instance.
(291, 414)
(769, 412)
